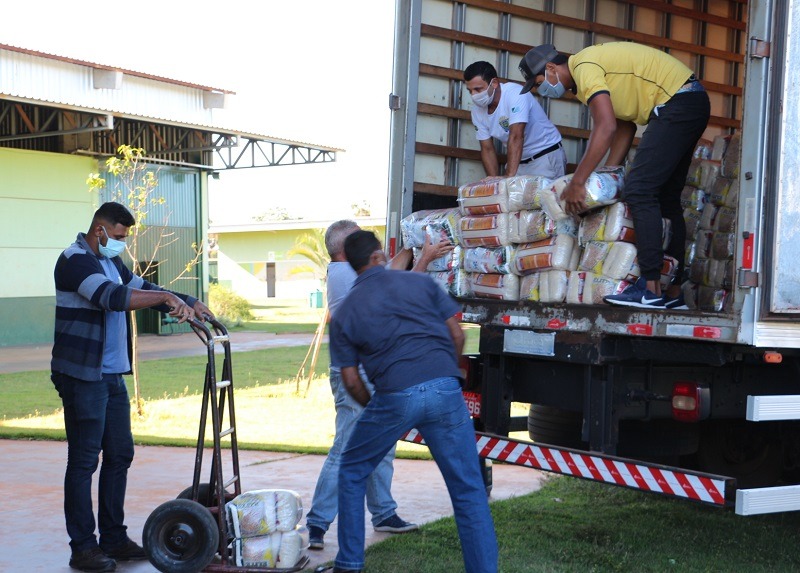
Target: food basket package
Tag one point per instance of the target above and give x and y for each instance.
(438, 224)
(553, 286)
(281, 550)
(594, 254)
(264, 511)
(495, 286)
(694, 198)
(454, 282)
(731, 159)
(553, 253)
(485, 197)
(619, 261)
(590, 288)
(446, 262)
(603, 187)
(488, 260)
(593, 226)
(528, 226)
(524, 191)
(484, 231)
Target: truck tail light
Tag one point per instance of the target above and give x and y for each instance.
(691, 402)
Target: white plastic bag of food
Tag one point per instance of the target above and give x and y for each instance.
(454, 282)
(731, 159)
(553, 286)
(438, 224)
(495, 286)
(593, 226)
(446, 262)
(524, 191)
(603, 187)
(484, 231)
(488, 260)
(485, 197)
(594, 254)
(619, 261)
(553, 253)
(260, 512)
(590, 288)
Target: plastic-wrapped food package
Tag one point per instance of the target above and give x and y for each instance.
(723, 245)
(528, 226)
(732, 198)
(454, 282)
(695, 174)
(603, 187)
(594, 254)
(719, 190)
(719, 273)
(529, 287)
(668, 268)
(484, 197)
(281, 550)
(689, 290)
(524, 191)
(698, 271)
(619, 261)
(731, 159)
(619, 224)
(451, 260)
(693, 198)
(702, 249)
(553, 253)
(260, 512)
(703, 149)
(590, 288)
(438, 224)
(708, 217)
(553, 286)
(718, 149)
(712, 299)
(484, 231)
(692, 220)
(488, 260)
(725, 220)
(501, 287)
(709, 171)
(593, 226)
(688, 256)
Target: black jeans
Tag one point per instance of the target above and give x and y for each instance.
(653, 186)
(97, 416)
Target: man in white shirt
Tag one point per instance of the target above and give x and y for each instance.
(517, 120)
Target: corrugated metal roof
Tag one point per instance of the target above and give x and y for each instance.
(39, 77)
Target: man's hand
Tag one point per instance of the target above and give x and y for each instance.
(179, 309)
(574, 197)
(201, 310)
(431, 252)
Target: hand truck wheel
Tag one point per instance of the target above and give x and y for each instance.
(180, 536)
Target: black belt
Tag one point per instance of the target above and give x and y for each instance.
(544, 151)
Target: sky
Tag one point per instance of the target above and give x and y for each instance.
(313, 71)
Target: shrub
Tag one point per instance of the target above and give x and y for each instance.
(230, 308)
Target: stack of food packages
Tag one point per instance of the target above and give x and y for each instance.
(516, 242)
(264, 528)
(710, 200)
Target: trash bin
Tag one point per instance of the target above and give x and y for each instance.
(315, 299)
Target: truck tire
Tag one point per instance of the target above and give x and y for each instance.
(548, 425)
(745, 451)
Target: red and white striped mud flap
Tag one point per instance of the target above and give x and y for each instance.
(695, 486)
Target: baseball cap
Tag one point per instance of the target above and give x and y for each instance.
(533, 64)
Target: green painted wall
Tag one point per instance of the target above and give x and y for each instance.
(44, 204)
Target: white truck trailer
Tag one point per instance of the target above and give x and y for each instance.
(698, 404)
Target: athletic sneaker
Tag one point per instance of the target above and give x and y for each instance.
(316, 537)
(677, 303)
(393, 524)
(637, 295)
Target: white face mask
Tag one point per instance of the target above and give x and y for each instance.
(484, 98)
(112, 248)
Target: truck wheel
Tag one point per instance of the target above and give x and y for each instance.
(548, 425)
(745, 451)
(180, 536)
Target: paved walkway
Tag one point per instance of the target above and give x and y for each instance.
(31, 480)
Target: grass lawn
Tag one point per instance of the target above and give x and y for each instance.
(568, 526)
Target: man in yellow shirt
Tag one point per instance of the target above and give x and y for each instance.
(625, 84)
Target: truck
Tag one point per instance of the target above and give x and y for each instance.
(697, 404)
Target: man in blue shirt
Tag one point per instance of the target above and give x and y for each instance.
(402, 328)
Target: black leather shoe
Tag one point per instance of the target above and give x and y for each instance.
(93, 560)
(128, 551)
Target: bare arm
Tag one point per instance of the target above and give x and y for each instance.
(355, 385)
(626, 131)
(401, 260)
(489, 158)
(457, 334)
(516, 136)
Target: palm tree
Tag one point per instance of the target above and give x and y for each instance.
(312, 247)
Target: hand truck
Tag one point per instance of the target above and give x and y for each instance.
(190, 533)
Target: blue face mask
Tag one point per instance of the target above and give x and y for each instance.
(546, 89)
(112, 248)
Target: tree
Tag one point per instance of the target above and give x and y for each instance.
(361, 209)
(136, 188)
(312, 247)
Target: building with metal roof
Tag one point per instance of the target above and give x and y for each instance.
(60, 118)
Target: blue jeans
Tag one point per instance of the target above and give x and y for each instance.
(436, 408)
(324, 504)
(97, 416)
